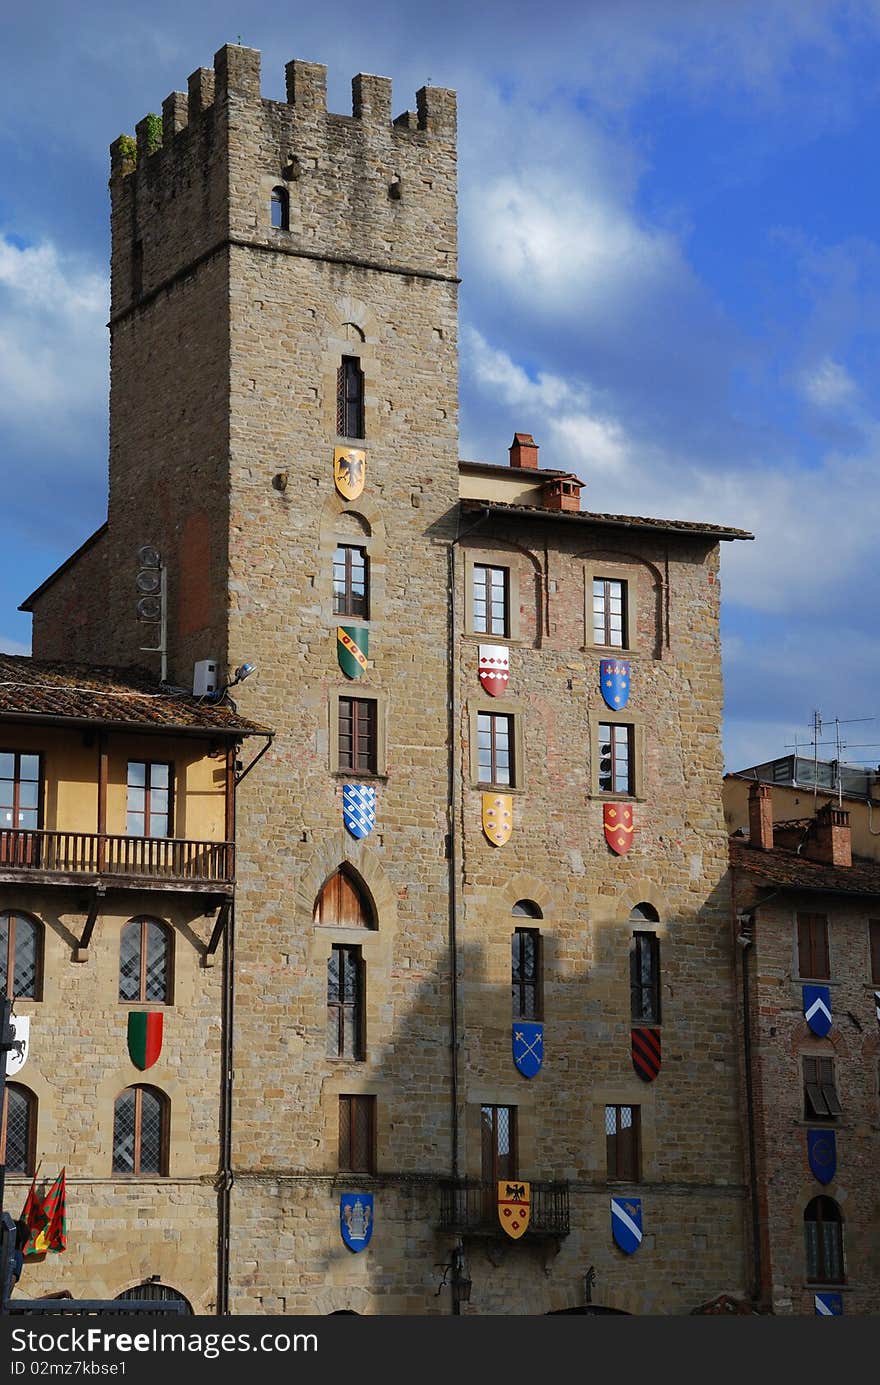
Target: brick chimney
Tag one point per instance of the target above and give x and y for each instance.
(760, 816)
(830, 839)
(562, 493)
(524, 451)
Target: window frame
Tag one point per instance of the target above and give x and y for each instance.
(874, 950)
(605, 717)
(607, 614)
(14, 916)
(355, 1010)
(617, 731)
(149, 766)
(361, 894)
(349, 1104)
(30, 1155)
(613, 569)
(813, 953)
(16, 781)
(164, 1132)
(279, 197)
(145, 920)
(524, 986)
(508, 562)
(512, 768)
(623, 1145)
(486, 629)
(345, 603)
(816, 1248)
(491, 1168)
(375, 738)
(644, 940)
(819, 1088)
(350, 370)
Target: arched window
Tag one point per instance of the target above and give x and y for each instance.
(350, 399)
(155, 1293)
(140, 1131)
(145, 951)
(823, 1234)
(526, 965)
(18, 1131)
(21, 955)
(279, 209)
(644, 913)
(343, 903)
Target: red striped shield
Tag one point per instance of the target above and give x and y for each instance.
(646, 1053)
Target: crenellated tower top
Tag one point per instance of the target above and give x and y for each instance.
(362, 188)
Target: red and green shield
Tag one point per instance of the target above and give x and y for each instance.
(352, 647)
(144, 1037)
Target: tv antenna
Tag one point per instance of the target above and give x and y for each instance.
(152, 604)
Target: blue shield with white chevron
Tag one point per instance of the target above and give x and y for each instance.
(359, 809)
(829, 1305)
(822, 1154)
(614, 682)
(626, 1223)
(528, 1047)
(817, 1009)
(356, 1219)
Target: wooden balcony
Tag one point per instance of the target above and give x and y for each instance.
(77, 858)
(470, 1207)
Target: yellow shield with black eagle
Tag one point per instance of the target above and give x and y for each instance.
(514, 1206)
(349, 471)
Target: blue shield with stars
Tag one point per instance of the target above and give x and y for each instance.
(614, 681)
(359, 809)
(626, 1223)
(829, 1305)
(817, 1009)
(356, 1219)
(528, 1047)
(822, 1154)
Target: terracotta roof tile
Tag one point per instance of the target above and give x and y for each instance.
(120, 697)
(786, 869)
(682, 526)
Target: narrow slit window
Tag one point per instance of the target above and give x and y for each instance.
(350, 399)
(279, 209)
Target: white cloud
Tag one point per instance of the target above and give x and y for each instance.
(828, 384)
(53, 347)
(10, 646)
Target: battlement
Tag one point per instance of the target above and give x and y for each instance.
(235, 76)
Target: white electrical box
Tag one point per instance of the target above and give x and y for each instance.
(206, 678)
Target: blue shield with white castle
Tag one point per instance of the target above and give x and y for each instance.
(528, 1047)
(359, 809)
(356, 1219)
(829, 1305)
(626, 1223)
(822, 1154)
(614, 682)
(817, 1009)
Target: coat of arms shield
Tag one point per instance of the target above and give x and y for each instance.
(497, 817)
(352, 648)
(619, 827)
(829, 1305)
(614, 680)
(528, 1047)
(359, 809)
(494, 668)
(144, 1037)
(21, 1039)
(646, 1052)
(349, 471)
(626, 1223)
(822, 1154)
(514, 1206)
(817, 1009)
(356, 1219)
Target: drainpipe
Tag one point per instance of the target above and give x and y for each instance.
(225, 1180)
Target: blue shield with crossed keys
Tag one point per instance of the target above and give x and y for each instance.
(614, 682)
(817, 1009)
(822, 1154)
(359, 809)
(528, 1047)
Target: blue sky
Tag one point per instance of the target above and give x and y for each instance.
(670, 255)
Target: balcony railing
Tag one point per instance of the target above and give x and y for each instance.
(471, 1206)
(172, 860)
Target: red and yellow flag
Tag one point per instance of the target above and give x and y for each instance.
(47, 1219)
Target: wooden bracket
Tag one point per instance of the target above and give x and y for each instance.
(95, 903)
